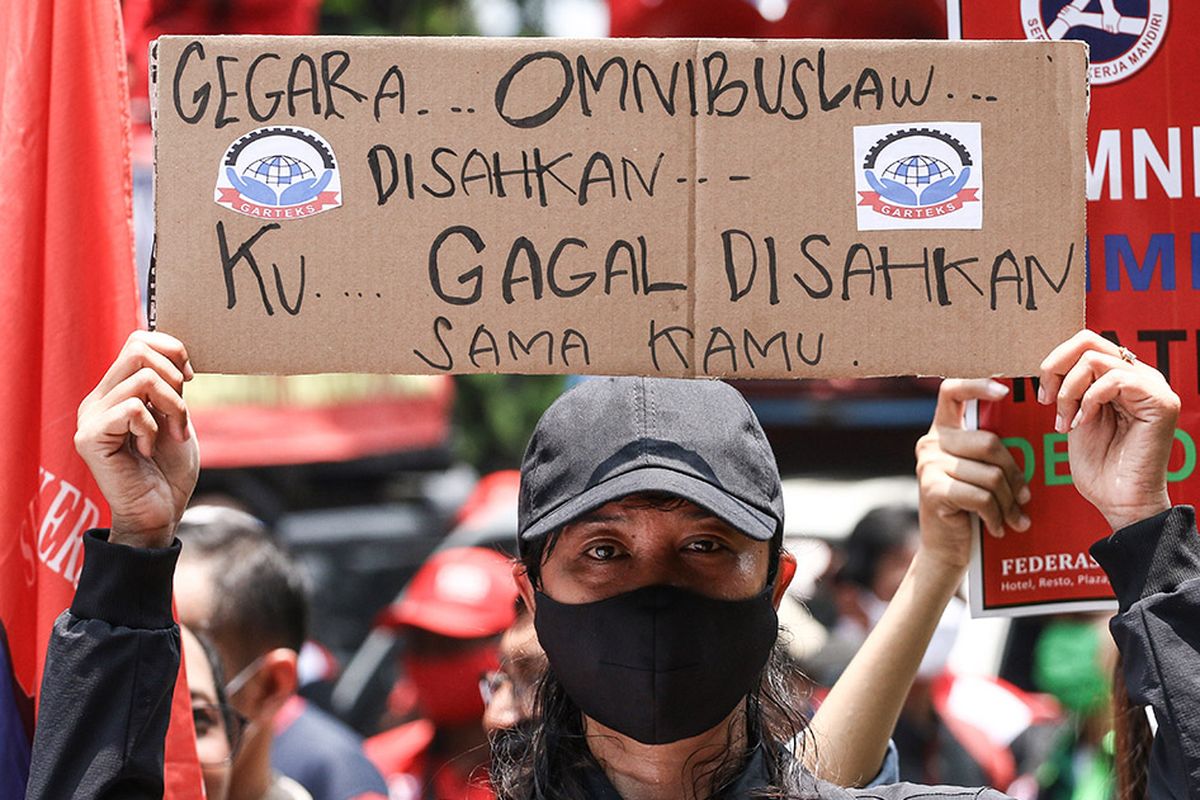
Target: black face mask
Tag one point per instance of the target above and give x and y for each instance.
(658, 664)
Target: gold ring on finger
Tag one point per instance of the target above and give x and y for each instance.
(1127, 355)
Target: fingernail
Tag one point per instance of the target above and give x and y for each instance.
(1023, 523)
(996, 390)
(1042, 395)
(188, 373)
(1078, 417)
(1024, 495)
(1059, 422)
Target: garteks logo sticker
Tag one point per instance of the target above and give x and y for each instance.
(1123, 34)
(919, 176)
(279, 173)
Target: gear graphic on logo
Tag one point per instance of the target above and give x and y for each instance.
(312, 141)
(963, 154)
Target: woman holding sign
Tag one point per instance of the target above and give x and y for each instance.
(652, 559)
(650, 525)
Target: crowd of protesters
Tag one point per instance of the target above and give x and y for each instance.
(633, 650)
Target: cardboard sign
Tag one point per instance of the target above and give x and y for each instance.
(1144, 289)
(660, 207)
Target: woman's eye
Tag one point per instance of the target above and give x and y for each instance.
(602, 552)
(204, 720)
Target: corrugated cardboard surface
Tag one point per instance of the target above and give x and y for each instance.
(749, 173)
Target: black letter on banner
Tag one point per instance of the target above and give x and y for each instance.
(546, 114)
(586, 76)
(667, 332)
(816, 294)
(330, 80)
(373, 162)
(221, 121)
(228, 262)
(735, 292)
(438, 324)
(473, 274)
(381, 95)
(275, 96)
(200, 98)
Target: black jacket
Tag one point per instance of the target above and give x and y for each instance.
(110, 673)
(112, 663)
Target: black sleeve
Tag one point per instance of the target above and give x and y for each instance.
(109, 675)
(1154, 567)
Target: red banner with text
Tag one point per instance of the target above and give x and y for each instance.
(1143, 273)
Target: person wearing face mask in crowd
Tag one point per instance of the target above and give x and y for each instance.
(451, 617)
(219, 726)
(508, 691)
(237, 585)
(878, 553)
(650, 530)
(996, 735)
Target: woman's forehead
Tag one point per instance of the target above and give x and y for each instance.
(627, 506)
(199, 671)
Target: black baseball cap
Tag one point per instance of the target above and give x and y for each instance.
(612, 437)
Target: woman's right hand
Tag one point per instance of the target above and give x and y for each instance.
(963, 472)
(134, 434)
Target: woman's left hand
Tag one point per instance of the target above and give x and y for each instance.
(1120, 415)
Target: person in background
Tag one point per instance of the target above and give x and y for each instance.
(451, 618)
(219, 727)
(998, 736)
(235, 584)
(508, 690)
(878, 553)
(1072, 660)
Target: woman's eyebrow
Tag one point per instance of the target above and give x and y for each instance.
(201, 696)
(597, 518)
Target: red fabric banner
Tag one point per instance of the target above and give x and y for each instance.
(69, 301)
(784, 19)
(1144, 267)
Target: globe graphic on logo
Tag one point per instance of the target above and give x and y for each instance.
(278, 170)
(918, 170)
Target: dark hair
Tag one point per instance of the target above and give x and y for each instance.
(1133, 740)
(260, 598)
(880, 531)
(218, 673)
(549, 758)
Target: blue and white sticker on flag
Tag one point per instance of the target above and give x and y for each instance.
(919, 175)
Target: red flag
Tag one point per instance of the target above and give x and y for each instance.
(786, 19)
(68, 301)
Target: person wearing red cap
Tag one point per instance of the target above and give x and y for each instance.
(452, 616)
